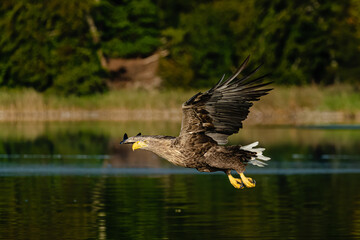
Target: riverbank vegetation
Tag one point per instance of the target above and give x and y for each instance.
(312, 97)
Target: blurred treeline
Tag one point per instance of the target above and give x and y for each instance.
(57, 46)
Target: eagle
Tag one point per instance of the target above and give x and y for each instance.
(208, 119)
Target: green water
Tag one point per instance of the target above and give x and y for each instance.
(74, 181)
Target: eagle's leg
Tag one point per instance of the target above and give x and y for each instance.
(249, 182)
(236, 182)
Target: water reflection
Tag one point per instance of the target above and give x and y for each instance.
(73, 181)
(178, 207)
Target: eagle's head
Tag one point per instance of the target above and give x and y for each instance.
(137, 141)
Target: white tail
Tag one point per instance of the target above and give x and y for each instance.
(258, 160)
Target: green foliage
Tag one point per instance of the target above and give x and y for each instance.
(48, 45)
(300, 41)
(202, 45)
(79, 80)
(308, 41)
(128, 28)
(174, 75)
(139, 48)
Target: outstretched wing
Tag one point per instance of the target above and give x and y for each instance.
(219, 112)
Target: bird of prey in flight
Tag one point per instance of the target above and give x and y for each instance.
(208, 120)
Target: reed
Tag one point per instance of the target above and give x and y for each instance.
(120, 99)
(314, 97)
(145, 104)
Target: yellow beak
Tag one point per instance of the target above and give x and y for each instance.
(138, 144)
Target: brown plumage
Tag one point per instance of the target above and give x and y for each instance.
(208, 120)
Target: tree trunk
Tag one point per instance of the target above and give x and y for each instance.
(96, 39)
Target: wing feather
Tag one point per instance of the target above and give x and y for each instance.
(220, 111)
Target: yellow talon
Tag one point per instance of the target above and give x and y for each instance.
(236, 182)
(249, 182)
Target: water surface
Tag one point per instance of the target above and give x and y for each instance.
(74, 181)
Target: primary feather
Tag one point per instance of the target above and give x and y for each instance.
(220, 111)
